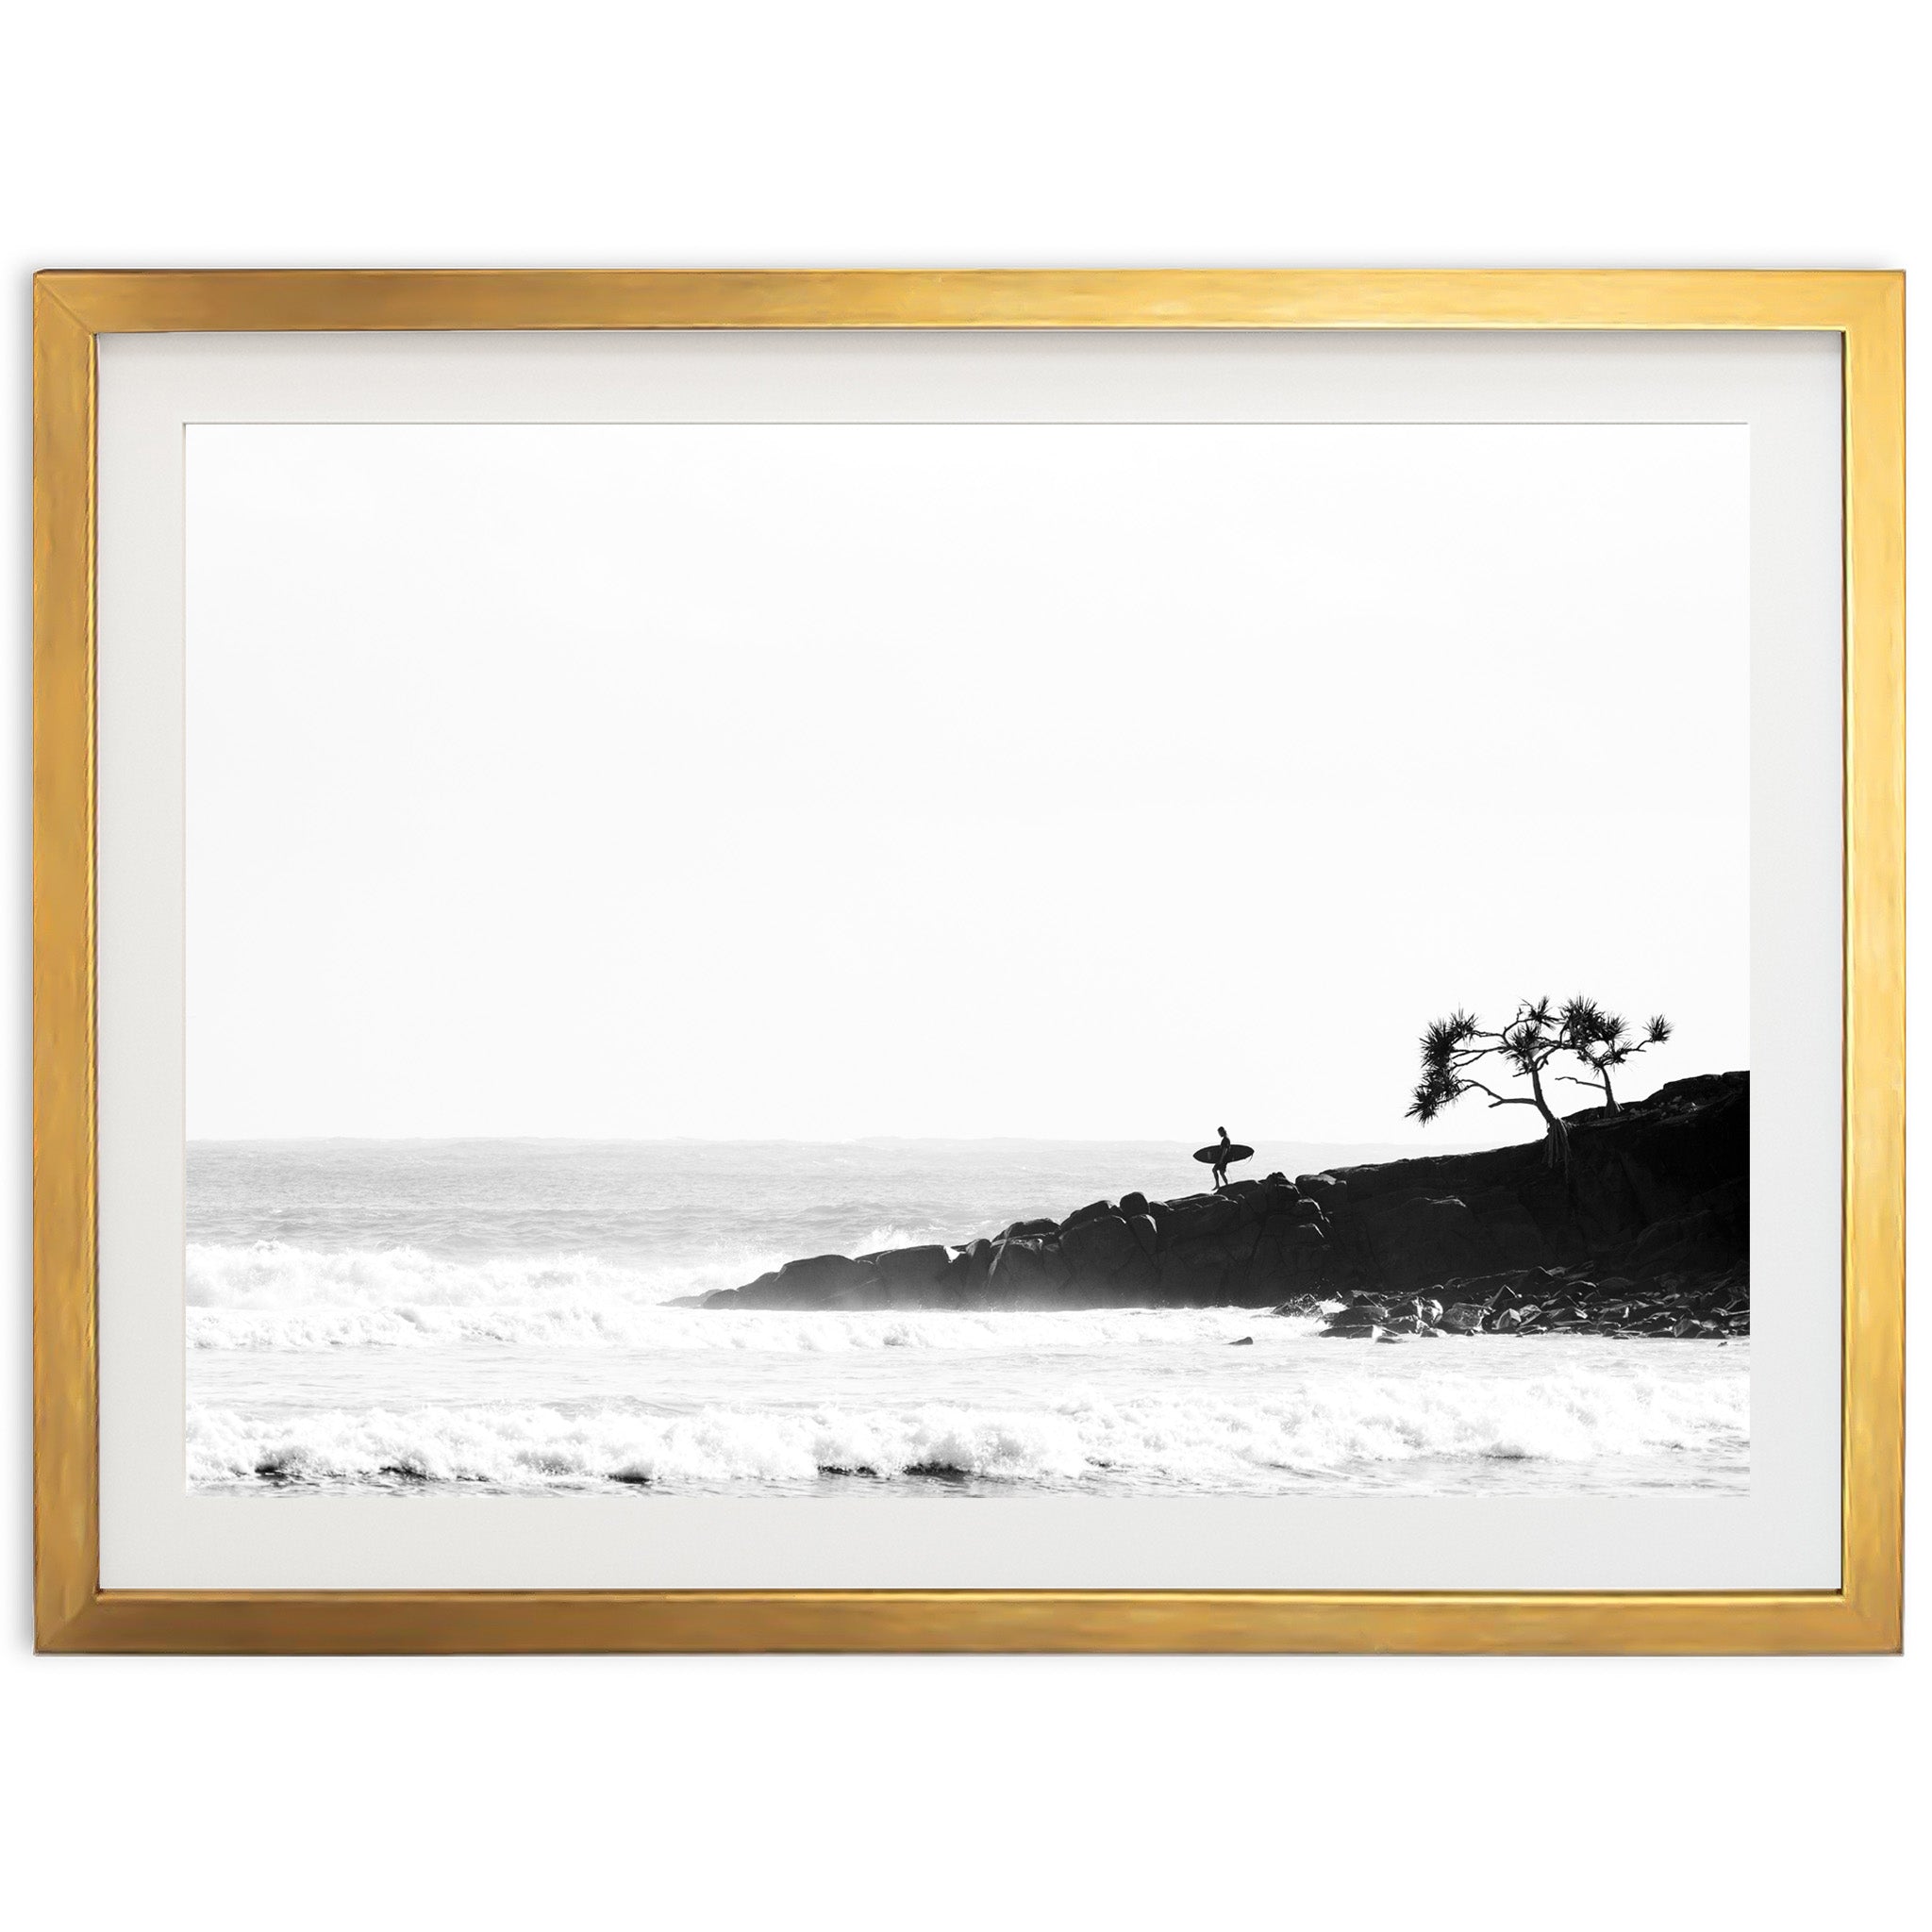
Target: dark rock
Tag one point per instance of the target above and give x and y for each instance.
(1193, 1273)
(1136, 1283)
(1024, 1271)
(1243, 1342)
(1408, 1236)
(1100, 1248)
(1688, 1240)
(967, 1275)
(1356, 1319)
(913, 1267)
(1194, 1215)
(1092, 1211)
(1650, 1229)
(818, 1281)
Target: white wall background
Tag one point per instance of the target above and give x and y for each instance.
(1358, 1792)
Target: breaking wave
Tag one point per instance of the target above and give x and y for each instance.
(276, 1296)
(1082, 1441)
(279, 1275)
(723, 1331)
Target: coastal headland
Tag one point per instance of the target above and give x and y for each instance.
(1647, 1233)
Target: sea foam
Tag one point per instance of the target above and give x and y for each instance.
(757, 1331)
(278, 1274)
(272, 1295)
(1083, 1439)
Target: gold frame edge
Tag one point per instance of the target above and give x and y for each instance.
(72, 1613)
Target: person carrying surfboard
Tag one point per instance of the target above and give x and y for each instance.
(1219, 1153)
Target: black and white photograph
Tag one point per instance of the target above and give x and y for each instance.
(967, 960)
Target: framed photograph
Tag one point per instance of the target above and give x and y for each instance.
(984, 962)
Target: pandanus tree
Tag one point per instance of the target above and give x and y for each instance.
(1603, 1041)
(1456, 1050)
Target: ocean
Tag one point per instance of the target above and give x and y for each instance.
(493, 1317)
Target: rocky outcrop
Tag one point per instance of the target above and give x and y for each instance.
(1697, 1303)
(1654, 1205)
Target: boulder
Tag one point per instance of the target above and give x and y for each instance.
(1098, 1249)
(1358, 1319)
(1136, 1283)
(965, 1285)
(912, 1267)
(1216, 1251)
(1193, 1273)
(818, 1281)
(1026, 1272)
(1195, 1215)
(1092, 1211)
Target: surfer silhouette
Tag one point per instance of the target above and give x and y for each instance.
(1219, 1153)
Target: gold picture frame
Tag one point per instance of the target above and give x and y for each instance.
(72, 1612)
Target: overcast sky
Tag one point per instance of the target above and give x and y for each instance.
(816, 781)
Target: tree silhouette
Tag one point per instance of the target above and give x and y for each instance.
(1523, 1049)
(1602, 1041)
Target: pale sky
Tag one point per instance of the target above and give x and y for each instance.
(811, 781)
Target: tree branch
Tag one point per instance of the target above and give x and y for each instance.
(1499, 1099)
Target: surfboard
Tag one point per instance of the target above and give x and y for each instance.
(1215, 1155)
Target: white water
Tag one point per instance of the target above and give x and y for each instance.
(493, 1316)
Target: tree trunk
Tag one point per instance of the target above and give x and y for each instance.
(1557, 1138)
(1609, 1098)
